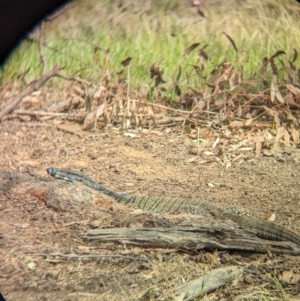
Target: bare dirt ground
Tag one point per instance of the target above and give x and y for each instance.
(41, 216)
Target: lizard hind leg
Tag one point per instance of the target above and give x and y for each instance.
(234, 209)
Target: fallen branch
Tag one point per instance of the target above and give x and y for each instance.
(40, 113)
(201, 233)
(35, 85)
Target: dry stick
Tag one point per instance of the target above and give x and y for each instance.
(29, 124)
(265, 112)
(90, 256)
(135, 190)
(59, 12)
(250, 100)
(41, 36)
(176, 110)
(75, 78)
(41, 48)
(128, 84)
(65, 116)
(79, 117)
(38, 113)
(35, 85)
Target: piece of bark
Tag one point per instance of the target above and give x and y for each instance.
(207, 283)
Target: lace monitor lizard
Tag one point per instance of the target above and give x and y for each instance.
(262, 228)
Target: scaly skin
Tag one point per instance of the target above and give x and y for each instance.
(261, 228)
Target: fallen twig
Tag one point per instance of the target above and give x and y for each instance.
(135, 190)
(39, 113)
(29, 124)
(75, 78)
(176, 110)
(78, 117)
(90, 256)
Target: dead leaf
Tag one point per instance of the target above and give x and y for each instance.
(131, 135)
(280, 133)
(200, 13)
(258, 147)
(295, 55)
(295, 90)
(110, 150)
(248, 121)
(232, 82)
(267, 153)
(216, 143)
(286, 137)
(240, 156)
(236, 124)
(289, 277)
(150, 111)
(127, 61)
(208, 153)
(191, 48)
(274, 67)
(277, 120)
(191, 160)
(295, 134)
(264, 68)
(100, 111)
(193, 135)
(279, 52)
(275, 90)
(158, 133)
(239, 112)
(89, 121)
(70, 128)
(272, 217)
(231, 41)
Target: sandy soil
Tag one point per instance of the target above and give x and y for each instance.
(41, 216)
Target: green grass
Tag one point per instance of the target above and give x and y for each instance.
(160, 31)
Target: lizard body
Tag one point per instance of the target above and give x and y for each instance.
(262, 228)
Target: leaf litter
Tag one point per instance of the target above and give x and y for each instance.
(265, 105)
